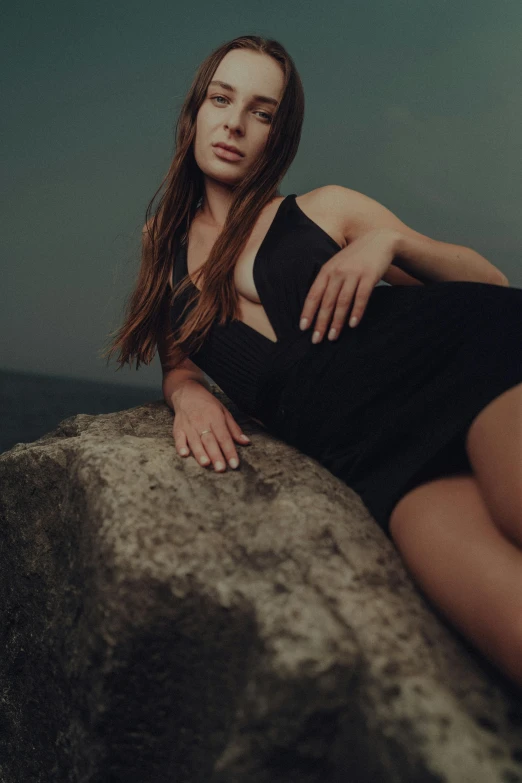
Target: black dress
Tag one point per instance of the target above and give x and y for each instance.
(385, 406)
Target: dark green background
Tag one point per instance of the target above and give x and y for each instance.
(416, 104)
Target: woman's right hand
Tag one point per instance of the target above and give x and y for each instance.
(197, 409)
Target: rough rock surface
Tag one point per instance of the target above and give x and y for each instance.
(164, 623)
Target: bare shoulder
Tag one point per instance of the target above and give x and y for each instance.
(357, 213)
(341, 206)
(327, 195)
(327, 206)
(346, 213)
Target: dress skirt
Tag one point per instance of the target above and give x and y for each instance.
(388, 404)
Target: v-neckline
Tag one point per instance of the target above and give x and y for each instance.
(263, 241)
(254, 264)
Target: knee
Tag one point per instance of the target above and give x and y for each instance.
(432, 503)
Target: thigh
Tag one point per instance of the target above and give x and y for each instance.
(461, 562)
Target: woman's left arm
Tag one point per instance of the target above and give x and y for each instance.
(431, 261)
(420, 257)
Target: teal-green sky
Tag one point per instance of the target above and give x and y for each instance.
(416, 103)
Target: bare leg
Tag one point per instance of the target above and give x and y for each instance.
(494, 448)
(464, 564)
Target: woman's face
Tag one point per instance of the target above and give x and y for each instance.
(237, 117)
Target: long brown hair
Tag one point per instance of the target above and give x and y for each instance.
(154, 292)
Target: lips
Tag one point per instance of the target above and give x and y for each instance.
(229, 147)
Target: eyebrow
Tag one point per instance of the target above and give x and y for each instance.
(263, 98)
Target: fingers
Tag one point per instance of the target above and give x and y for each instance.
(234, 428)
(337, 299)
(215, 447)
(342, 307)
(335, 290)
(311, 303)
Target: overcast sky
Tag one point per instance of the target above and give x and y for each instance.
(416, 103)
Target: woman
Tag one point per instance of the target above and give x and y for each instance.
(418, 407)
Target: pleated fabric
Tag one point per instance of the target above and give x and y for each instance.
(388, 404)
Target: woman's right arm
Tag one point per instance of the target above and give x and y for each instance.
(196, 409)
(187, 392)
(176, 379)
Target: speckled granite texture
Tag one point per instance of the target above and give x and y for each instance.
(164, 623)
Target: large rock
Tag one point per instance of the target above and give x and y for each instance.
(164, 623)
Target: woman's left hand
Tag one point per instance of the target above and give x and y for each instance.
(354, 270)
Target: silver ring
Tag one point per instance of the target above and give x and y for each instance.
(202, 433)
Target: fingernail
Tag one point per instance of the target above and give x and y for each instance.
(353, 320)
(245, 437)
(220, 465)
(315, 337)
(183, 451)
(204, 460)
(233, 462)
(332, 333)
(303, 323)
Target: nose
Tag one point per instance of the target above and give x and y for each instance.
(233, 121)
